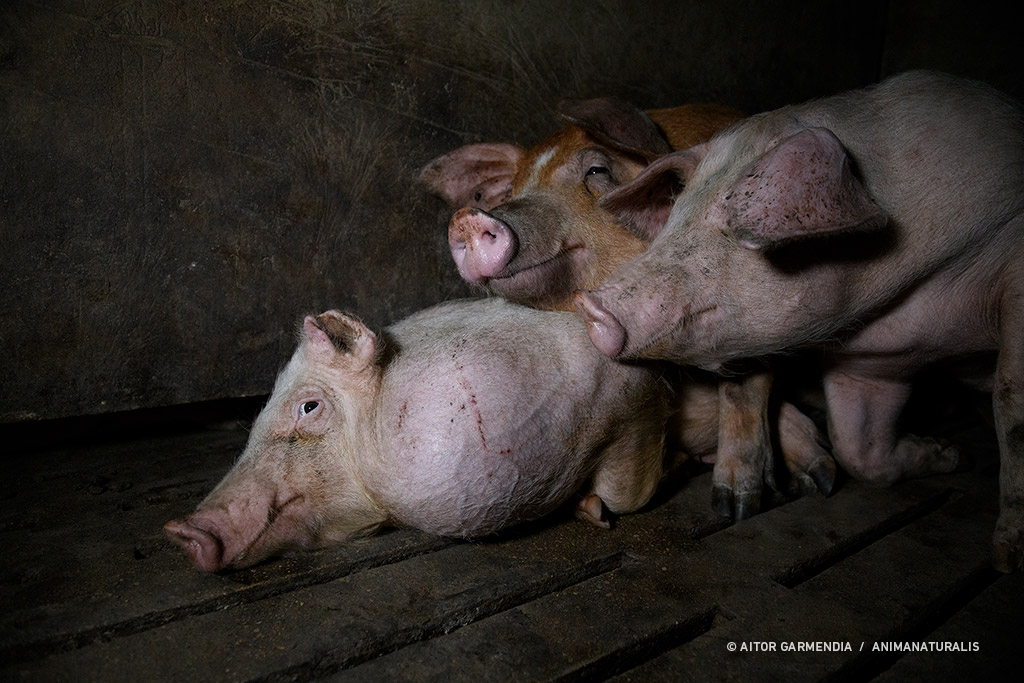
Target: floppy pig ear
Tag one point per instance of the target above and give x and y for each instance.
(478, 176)
(643, 204)
(803, 186)
(336, 335)
(617, 124)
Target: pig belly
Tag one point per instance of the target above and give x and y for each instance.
(947, 318)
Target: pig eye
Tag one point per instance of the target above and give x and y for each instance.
(598, 180)
(478, 196)
(309, 406)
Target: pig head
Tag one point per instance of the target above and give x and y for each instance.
(298, 483)
(884, 226)
(528, 225)
(738, 256)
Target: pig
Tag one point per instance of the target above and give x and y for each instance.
(461, 420)
(882, 227)
(529, 228)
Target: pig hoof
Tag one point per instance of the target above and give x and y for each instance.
(735, 506)
(1006, 559)
(964, 463)
(1008, 547)
(591, 509)
(818, 478)
(823, 474)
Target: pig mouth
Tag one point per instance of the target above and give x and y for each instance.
(274, 513)
(644, 350)
(535, 276)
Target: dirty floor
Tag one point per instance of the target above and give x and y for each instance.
(91, 590)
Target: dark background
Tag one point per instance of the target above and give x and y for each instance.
(180, 181)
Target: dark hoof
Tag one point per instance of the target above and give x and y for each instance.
(1005, 558)
(735, 506)
(721, 501)
(824, 476)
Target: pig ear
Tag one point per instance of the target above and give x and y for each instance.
(617, 124)
(478, 176)
(335, 335)
(643, 204)
(801, 187)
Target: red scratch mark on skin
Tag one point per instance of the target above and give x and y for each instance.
(476, 409)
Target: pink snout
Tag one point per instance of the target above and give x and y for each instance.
(205, 549)
(481, 244)
(605, 330)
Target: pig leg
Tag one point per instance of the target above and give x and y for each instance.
(630, 470)
(1008, 405)
(863, 414)
(744, 461)
(805, 452)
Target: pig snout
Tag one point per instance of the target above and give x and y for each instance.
(481, 244)
(605, 330)
(243, 531)
(204, 548)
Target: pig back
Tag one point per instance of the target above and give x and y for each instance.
(943, 156)
(692, 124)
(492, 413)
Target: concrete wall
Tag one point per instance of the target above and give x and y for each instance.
(181, 180)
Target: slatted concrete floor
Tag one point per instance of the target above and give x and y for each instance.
(92, 591)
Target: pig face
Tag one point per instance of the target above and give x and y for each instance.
(529, 227)
(746, 259)
(298, 482)
(550, 238)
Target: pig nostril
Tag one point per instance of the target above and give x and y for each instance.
(205, 548)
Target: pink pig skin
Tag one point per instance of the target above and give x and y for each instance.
(464, 419)
(884, 226)
(528, 226)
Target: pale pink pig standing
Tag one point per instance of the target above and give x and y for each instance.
(529, 228)
(885, 226)
(461, 420)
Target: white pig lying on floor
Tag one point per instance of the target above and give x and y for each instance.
(471, 417)
(884, 226)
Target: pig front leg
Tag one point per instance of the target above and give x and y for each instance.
(1008, 405)
(804, 449)
(863, 413)
(743, 464)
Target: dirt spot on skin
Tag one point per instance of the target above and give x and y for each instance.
(403, 413)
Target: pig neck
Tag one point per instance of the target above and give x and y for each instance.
(692, 124)
(361, 446)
